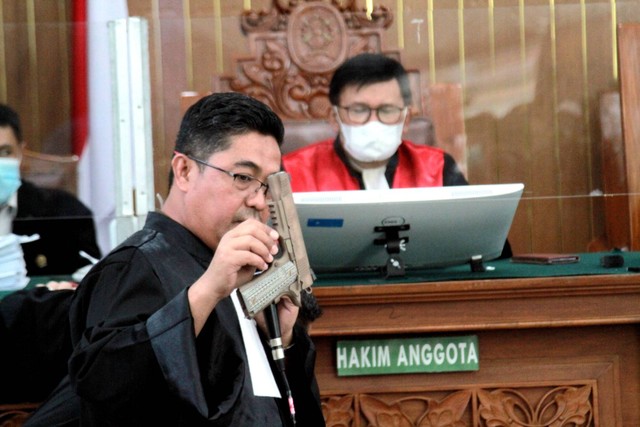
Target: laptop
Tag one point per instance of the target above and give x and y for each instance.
(57, 251)
(351, 231)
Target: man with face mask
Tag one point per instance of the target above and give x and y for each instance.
(371, 97)
(34, 325)
(21, 199)
(370, 94)
(9, 184)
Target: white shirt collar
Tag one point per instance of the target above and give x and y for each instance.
(8, 212)
(374, 179)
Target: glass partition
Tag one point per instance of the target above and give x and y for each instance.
(533, 75)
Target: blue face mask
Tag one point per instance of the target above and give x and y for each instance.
(9, 178)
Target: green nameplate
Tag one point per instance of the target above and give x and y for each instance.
(404, 356)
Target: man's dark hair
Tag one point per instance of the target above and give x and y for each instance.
(208, 125)
(9, 117)
(365, 69)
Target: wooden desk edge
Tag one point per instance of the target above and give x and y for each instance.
(480, 304)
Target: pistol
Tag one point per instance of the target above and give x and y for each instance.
(289, 273)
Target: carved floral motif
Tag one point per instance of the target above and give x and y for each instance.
(559, 407)
(275, 80)
(338, 411)
(416, 411)
(276, 18)
(15, 415)
(317, 38)
(296, 46)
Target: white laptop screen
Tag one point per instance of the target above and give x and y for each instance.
(345, 230)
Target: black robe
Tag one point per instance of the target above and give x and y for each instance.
(34, 343)
(137, 361)
(37, 202)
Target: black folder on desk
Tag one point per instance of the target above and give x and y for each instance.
(57, 251)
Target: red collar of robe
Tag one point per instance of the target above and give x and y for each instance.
(318, 167)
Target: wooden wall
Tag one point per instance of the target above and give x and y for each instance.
(532, 72)
(35, 74)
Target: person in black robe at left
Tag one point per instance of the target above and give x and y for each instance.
(159, 336)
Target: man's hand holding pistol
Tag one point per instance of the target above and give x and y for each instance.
(289, 273)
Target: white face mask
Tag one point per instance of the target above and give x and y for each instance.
(9, 177)
(372, 141)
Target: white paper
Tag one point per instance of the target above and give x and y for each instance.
(264, 384)
(13, 271)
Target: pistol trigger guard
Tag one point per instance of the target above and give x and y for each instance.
(280, 252)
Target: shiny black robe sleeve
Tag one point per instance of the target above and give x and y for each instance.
(34, 343)
(136, 359)
(113, 365)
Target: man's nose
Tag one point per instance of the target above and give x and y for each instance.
(257, 199)
(373, 115)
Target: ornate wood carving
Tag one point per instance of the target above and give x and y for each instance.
(277, 17)
(296, 46)
(416, 411)
(15, 415)
(561, 406)
(551, 406)
(338, 411)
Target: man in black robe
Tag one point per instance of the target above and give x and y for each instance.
(22, 204)
(157, 338)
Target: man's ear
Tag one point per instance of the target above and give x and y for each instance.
(21, 147)
(182, 171)
(333, 121)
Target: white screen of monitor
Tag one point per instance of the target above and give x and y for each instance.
(447, 225)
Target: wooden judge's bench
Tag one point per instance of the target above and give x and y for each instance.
(553, 351)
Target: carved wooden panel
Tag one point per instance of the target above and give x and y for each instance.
(553, 351)
(579, 391)
(295, 48)
(15, 415)
(552, 406)
(560, 406)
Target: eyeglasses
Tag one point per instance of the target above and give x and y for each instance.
(241, 181)
(388, 114)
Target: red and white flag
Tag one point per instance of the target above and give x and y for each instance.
(92, 109)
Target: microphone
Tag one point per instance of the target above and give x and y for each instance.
(277, 352)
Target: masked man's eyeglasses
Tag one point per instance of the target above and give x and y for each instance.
(360, 114)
